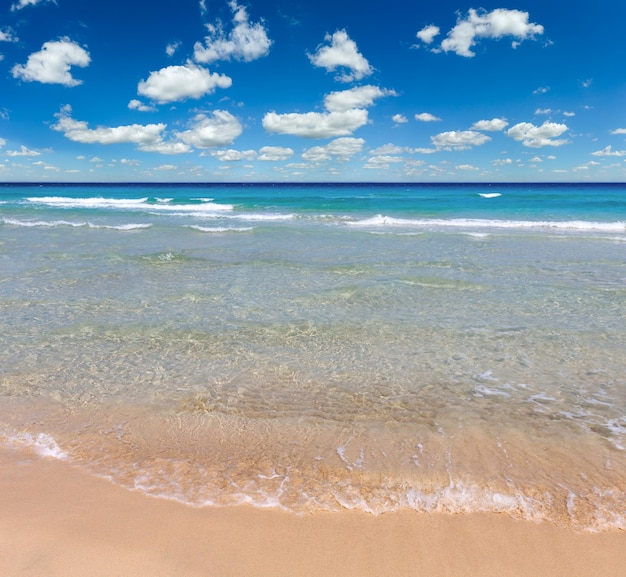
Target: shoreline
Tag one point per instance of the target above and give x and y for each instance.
(57, 521)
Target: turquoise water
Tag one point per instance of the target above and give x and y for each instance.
(448, 348)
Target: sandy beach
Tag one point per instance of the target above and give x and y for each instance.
(56, 521)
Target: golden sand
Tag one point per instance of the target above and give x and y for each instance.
(56, 521)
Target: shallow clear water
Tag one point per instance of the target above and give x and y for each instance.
(443, 348)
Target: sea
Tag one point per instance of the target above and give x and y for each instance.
(443, 348)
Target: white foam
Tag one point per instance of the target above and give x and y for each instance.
(43, 444)
(128, 203)
(264, 217)
(221, 228)
(92, 202)
(130, 226)
(44, 223)
(61, 223)
(351, 465)
(461, 498)
(490, 194)
(578, 225)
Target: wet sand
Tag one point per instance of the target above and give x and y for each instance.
(56, 521)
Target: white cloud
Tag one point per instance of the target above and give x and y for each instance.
(426, 117)
(543, 111)
(569, 114)
(135, 104)
(245, 41)
(399, 118)
(493, 125)
(175, 83)
(387, 149)
(23, 3)
(342, 53)
(496, 24)
(541, 90)
(459, 140)
(219, 129)
(148, 138)
(2, 142)
(341, 148)
(6, 35)
(171, 48)
(501, 161)
(382, 162)
(608, 151)
(358, 97)
(51, 65)
(23, 152)
(537, 136)
(467, 167)
(619, 131)
(428, 33)
(231, 155)
(316, 124)
(275, 153)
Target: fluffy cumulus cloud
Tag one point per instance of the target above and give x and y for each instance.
(399, 119)
(428, 34)
(459, 139)
(358, 97)
(387, 149)
(619, 131)
(493, 125)
(382, 162)
(148, 137)
(51, 65)
(231, 155)
(480, 24)
(345, 113)
(538, 136)
(275, 153)
(426, 117)
(175, 83)
(342, 53)
(246, 41)
(341, 149)
(316, 124)
(220, 128)
(135, 104)
(608, 151)
(23, 151)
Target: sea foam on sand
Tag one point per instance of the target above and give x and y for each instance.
(56, 521)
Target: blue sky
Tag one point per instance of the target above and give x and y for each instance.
(294, 90)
